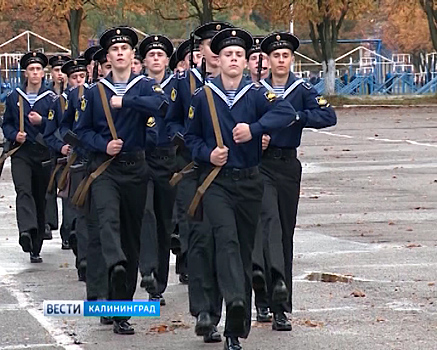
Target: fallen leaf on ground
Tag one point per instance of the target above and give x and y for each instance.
(358, 293)
(413, 245)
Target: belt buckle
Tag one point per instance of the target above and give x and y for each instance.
(277, 153)
(236, 174)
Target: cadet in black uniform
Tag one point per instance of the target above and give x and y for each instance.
(281, 172)
(253, 60)
(58, 86)
(27, 109)
(204, 295)
(233, 200)
(89, 57)
(119, 193)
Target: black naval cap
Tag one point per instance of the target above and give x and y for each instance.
(100, 56)
(184, 49)
(89, 53)
(231, 37)
(118, 35)
(58, 60)
(173, 63)
(256, 47)
(74, 66)
(33, 57)
(277, 41)
(156, 42)
(137, 55)
(208, 30)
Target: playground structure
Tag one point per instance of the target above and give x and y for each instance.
(360, 71)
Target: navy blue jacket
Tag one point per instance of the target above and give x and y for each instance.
(253, 105)
(51, 136)
(314, 111)
(11, 121)
(143, 98)
(177, 115)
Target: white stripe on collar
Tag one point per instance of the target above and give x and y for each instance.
(166, 81)
(39, 97)
(128, 86)
(292, 87)
(64, 95)
(197, 74)
(288, 91)
(224, 97)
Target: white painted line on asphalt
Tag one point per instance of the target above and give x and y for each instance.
(26, 346)
(411, 142)
(24, 301)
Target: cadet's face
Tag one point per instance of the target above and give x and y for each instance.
(77, 79)
(89, 68)
(197, 59)
(232, 61)
(205, 51)
(180, 67)
(34, 73)
(281, 61)
(57, 75)
(136, 66)
(156, 60)
(252, 64)
(105, 69)
(120, 56)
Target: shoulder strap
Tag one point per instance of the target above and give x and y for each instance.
(21, 115)
(107, 111)
(214, 117)
(80, 92)
(62, 101)
(192, 83)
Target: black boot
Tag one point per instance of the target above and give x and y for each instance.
(47, 233)
(183, 278)
(123, 327)
(203, 324)
(35, 258)
(26, 242)
(236, 317)
(157, 297)
(263, 315)
(232, 343)
(105, 320)
(149, 283)
(258, 281)
(81, 271)
(281, 322)
(280, 292)
(213, 336)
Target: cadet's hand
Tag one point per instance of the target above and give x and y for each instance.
(65, 150)
(219, 156)
(21, 137)
(34, 118)
(114, 147)
(265, 141)
(116, 101)
(242, 133)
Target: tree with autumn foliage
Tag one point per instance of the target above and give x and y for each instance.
(430, 9)
(325, 19)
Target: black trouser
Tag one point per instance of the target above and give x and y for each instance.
(232, 205)
(157, 221)
(31, 181)
(96, 271)
(274, 240)
(79, 226)
(184, 194)
(119, 195)
(52, 209)
(203, 290)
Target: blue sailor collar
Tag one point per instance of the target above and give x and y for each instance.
(292, 83)
(133, 79)
(216, 85)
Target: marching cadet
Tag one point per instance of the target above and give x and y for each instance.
(197, 245)
(183, 53)
(75, 70)
(112, 124)
(227, 119)
(58, 85)
(89, 57)
(281, 172)
(155, 236)
(103, 66)
(174, 64)
(137, 65)
(256, 74)
(27, 109)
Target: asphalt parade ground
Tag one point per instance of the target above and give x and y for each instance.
(365, 253)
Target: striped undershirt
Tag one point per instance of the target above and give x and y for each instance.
(279, 90)
(31, 97)
(120, 88)
(230, 94)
